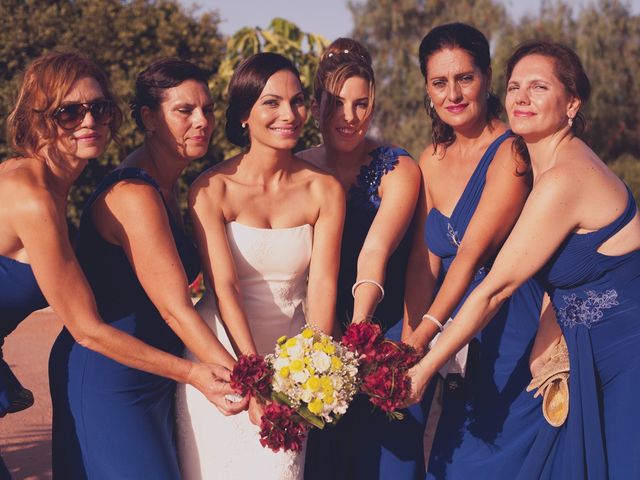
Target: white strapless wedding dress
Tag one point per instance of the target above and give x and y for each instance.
(272, 267)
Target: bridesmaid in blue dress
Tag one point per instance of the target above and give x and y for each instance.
(474, 187)
(113, 419)
(587, 253)
(382, 183)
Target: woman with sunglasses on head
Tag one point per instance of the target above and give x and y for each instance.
(579, 232)
(113, 415)
(474, 187)
(268, 229)
(382, 184)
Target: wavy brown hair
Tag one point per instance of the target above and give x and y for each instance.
(344, 58)
(47, 80)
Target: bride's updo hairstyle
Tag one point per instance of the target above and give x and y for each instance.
(343, 59)
(470, 40)
(246, 85)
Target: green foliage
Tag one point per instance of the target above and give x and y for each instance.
(122, 37)
(283, 37)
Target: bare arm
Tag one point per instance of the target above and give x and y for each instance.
(205, 200)
(548, 217)
(43, 232)
(399, 193)
(325, 256)
(132, 215)
(423, 266)
(501, 202)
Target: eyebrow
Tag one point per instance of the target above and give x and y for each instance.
(279, 97)
(72, 102)
(461, 74)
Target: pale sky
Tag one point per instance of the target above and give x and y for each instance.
(330, 18)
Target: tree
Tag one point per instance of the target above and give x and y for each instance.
(125, 39)
(392, 31)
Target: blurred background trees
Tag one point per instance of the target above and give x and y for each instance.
(130, 34)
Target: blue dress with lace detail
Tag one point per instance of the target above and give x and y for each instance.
(597, 302)
(364, 445)
(110, 420)
(486, 427)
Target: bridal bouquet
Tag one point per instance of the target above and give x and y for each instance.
(311, 380)
(383, 366)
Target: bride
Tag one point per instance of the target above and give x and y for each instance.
(268, 227)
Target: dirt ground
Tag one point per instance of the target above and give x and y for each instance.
(25, 437)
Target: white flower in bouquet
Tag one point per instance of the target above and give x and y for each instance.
(315, 375)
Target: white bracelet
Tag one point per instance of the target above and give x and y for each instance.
(373, 282)
(434, 320)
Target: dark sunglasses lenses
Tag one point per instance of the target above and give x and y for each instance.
(71, 115)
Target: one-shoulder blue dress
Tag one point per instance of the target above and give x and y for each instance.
(596, 298)
(488, 420)
(111, 421)
(365, 444)
(19, 296)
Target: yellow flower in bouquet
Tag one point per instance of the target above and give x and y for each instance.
(315, 375)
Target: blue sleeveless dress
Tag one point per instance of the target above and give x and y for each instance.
(365, 444)
(488, 420)
(19, 296)
(111, 421)
(597, 302)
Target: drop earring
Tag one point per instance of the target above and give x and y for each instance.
(570, 122)
(243, 125)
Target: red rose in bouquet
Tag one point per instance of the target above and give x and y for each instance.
(384, 365)
(279, 428)
(252, 376)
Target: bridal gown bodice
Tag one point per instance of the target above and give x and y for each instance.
(272, 267)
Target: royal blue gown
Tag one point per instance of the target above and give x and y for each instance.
(111, 421)
(596, 298)
(488, 420)
(19, 296)
(365, 444)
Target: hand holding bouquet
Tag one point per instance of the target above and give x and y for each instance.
(383, 366)
(311, 380)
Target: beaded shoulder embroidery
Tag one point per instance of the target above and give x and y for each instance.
(364, 192)
(586, 311)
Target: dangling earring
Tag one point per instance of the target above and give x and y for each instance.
(316, 123)
(243, 125)
(570, 122)
(430, 103)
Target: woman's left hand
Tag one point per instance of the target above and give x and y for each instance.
(418, 385)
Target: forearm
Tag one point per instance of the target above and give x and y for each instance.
(418, 294)
(321, 303)
(474, 314)
(235, 320)
(372, 265)
(196, 335)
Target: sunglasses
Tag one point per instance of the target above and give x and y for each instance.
(71, 115)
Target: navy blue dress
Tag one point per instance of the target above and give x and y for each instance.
(19, 296)
(488, 422)
(111, 421)
(365, 444)
(596, 298)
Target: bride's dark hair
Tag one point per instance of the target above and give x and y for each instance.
(246, 84)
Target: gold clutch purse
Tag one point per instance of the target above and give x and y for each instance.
(553, 384)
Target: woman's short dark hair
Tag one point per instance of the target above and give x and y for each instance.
(156, 78)
(246, 85)
(567, 68)
(472, 41)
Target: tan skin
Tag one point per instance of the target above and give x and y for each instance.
(269, 187)
(34, 231)
(132, 215)
(344, 151)
(573, 192)
(458, 90)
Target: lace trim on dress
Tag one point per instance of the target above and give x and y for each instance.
(364, 192)
(586, 311)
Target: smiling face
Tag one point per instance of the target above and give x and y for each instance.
(89, 138)
(347, 125)
(277, 117)
(457, 88)
(538, 104)
(183, 122)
